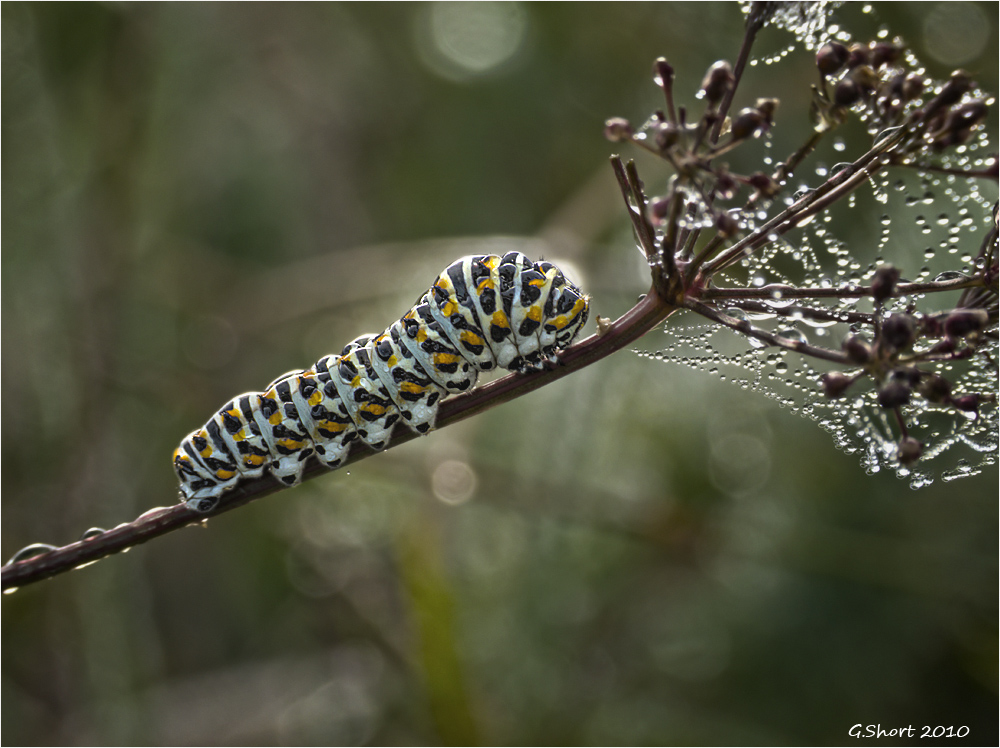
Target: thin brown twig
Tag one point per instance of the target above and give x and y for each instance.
(643, 317)
(639, 226)
(826, 315)
(744, 327)
(754, 23)
(790, 292)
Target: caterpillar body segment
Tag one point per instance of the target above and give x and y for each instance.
(482, 312)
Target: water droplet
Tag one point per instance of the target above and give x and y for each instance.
(31, 551)
(948, 275)
(796, 336)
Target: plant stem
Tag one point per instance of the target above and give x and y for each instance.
(639, 320)
(744, 327)
(788, 292)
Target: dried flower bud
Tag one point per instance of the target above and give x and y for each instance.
(663, 73)
(618, 129)
(865, 79)
(898, 331)
(913, 86)
(726, 224)
(718, 81)
(909, 374)
(831, 58)
(952, 91)
(858, 54)
(658, 209)
(934, 388)
(931, 325)
(726, 185)
(747, 123)
(909, 451)
(666, 136)
(895, 85)
(885, 53)
(966, 402)
(856, 349)
(767, 108)
(944, 346)
(894, 394)
(763, 183)
(835, 383)
(846, 93)
(884, 283)
(962, 322)
(957, 127)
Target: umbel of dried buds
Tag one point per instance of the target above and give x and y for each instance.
(906, 355)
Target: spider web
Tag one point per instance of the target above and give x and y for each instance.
(931, 227)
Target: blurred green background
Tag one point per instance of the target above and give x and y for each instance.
(198, 197)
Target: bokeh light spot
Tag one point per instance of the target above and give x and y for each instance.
(956, 33)
(463, 40)
(453, 482)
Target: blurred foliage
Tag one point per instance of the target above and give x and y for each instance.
(198, 197)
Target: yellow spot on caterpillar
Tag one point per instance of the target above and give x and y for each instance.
(334, 427)
(224, 474)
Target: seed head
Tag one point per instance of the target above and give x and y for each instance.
(618, 129)
(846, 93)
(835, 384)
(885, 53)
(749, 122)
(966, 402)
(909, 451)
(718, 81)
(898, 331)
(831, 58)
(963, 322)
(884, 283)
(894, 394)
(934, 388)
(856, 349)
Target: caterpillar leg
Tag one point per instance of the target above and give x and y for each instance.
(366, 399)
(414, 393)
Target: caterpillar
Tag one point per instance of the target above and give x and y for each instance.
(483, 312)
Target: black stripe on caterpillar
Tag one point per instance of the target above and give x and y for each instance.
(483, 312)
